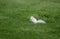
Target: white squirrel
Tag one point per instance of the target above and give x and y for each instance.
(34, 20)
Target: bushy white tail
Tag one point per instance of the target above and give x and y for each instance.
(41, 21)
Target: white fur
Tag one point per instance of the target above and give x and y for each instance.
(34, 20)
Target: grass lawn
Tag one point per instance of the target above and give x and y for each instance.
(15, 15)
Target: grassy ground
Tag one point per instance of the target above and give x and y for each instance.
(15, 14)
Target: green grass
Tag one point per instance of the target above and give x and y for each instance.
(15, 15)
